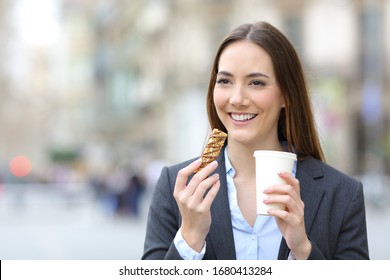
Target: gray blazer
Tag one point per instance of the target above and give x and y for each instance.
(334, 216)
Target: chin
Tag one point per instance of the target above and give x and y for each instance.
(242, 137)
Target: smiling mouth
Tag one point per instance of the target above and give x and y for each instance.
(242, 117)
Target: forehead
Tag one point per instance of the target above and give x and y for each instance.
(245, 55)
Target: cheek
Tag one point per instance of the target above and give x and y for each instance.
(269, 102)
(219, 99)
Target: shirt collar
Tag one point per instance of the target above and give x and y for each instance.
(228, 165)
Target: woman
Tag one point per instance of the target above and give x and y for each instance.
(258, 95)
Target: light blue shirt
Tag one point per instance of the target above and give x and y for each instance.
(258, 243)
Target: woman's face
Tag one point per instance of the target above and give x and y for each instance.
(247, 97)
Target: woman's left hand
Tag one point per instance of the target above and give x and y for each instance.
(290, 221)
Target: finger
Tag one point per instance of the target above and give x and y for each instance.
(282, 190)
(201, 176)
(281, 214)
(284, 199)
(290, 179)
(205, 185)
(183, 174)
(195, 200)
(286, 216)
(294, 206)
(210, 196)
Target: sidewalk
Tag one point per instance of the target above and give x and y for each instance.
(45, 226)
(378, 228)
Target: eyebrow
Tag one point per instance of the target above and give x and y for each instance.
(251, 75)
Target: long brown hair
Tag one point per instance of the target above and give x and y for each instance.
(296, 123)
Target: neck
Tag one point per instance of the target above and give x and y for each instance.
(241, 156)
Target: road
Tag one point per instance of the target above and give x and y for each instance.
(41, 224)
(44, 224)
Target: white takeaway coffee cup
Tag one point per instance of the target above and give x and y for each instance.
(268, 165)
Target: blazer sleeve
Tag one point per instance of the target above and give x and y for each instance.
(163, 221)
(352, 243)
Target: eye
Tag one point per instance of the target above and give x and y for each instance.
(258, 83)
(222, 81)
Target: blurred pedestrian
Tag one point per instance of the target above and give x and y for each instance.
(136, 190)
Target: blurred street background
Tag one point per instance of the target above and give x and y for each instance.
(97, 95)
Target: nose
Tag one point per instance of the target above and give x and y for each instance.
(239, 97)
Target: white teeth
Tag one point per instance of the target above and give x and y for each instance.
(242, 117)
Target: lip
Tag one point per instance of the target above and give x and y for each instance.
(243, 119)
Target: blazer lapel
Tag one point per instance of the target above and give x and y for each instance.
(311, 192)
(221, 232)
(308, 171)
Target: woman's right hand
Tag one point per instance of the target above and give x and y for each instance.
(193, 204)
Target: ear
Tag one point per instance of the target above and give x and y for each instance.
(283, 103)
